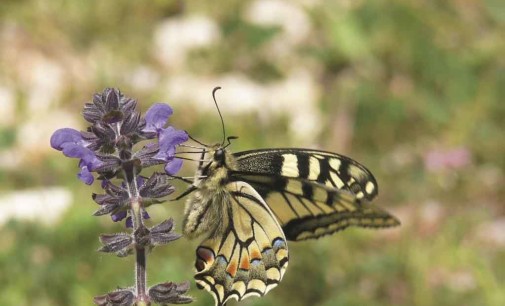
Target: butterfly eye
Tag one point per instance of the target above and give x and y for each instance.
(219, 156)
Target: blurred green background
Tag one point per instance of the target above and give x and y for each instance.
(412, 89)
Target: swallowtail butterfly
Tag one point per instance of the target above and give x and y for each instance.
(248, 205)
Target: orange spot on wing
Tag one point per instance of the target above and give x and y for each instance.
(232, 269)
(244, 264)
(255, 254)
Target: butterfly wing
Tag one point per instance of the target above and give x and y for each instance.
(250, 257)
(313, 193)
(326, 168)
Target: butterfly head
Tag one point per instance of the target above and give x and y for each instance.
(219, 155)
(221, 158)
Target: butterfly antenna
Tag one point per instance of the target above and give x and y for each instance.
(198, 142)
(229, 139)
(219, 111)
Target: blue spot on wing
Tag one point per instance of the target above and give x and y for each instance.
(279, 243)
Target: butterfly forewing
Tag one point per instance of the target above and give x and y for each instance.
(250, 257)
(330, 169)
(313, 193)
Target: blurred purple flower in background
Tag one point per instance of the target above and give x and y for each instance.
(441, 160)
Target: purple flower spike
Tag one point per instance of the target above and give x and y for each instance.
(156, 117)
(106, 151)
(116, 147)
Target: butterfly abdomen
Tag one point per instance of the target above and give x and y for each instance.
(205, 208)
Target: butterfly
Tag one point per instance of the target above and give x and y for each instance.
(248, 205)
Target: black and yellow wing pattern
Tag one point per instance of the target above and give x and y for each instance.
(312, 193)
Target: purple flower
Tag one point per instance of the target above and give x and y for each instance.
(85, 175)
(169, 138)
(63, 137)
(173, 166)
(119, 216)
(72, 144)
(156, 117)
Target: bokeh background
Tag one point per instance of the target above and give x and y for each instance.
(412, 89)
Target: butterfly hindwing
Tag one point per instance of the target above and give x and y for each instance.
(250, 257)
